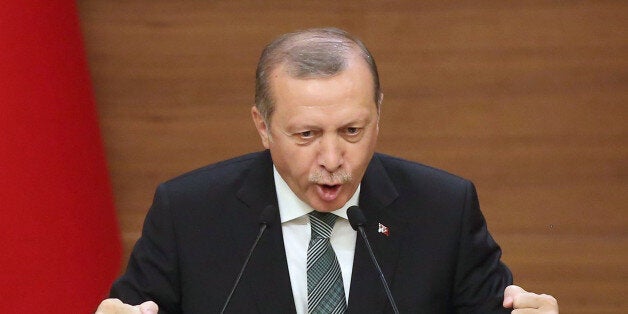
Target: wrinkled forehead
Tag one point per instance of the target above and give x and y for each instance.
(317, 57)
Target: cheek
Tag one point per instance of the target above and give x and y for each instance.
(360, 153)
(358, 159)
(301, 164)
(296, 160)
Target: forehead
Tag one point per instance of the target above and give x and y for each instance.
(353, 80)
(339, 99)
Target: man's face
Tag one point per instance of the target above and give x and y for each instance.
(323, 133)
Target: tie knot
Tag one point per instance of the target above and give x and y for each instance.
(322, 224)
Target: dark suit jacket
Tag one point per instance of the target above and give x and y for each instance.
(437, 258)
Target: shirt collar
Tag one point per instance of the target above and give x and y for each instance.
(291, 207)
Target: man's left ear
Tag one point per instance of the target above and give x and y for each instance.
(380, 100)
(261, 126)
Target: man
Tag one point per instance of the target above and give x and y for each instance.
(317, 109)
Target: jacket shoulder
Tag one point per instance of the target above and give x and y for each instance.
(405, 170)
(223, 173)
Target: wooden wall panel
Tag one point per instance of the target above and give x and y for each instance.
(526, 98)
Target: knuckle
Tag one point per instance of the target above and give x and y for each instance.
(108, 306)
(548, 298)
(110, 302)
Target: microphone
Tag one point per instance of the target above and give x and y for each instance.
(265, 220)
(358, 221)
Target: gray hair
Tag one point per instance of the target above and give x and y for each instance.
(311, 53)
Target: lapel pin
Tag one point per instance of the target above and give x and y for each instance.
(383, 230)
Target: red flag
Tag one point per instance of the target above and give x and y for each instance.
(59, 239)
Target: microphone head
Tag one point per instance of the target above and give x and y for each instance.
(356, 217)
(268, 215)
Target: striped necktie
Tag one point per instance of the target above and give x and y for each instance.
(325, 290)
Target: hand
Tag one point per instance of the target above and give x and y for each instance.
(522, 301)
(115, 306)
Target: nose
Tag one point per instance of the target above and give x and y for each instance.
(331, 153)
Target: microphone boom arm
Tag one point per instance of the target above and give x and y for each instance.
(266, 219)
(358, 221)
(379, 270)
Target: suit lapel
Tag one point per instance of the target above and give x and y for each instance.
(268, 275)
(377, 192)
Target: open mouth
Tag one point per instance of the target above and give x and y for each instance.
(328, 192)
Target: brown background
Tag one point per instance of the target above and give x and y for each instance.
(527, 99)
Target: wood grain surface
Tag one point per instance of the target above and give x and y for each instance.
(528, 99)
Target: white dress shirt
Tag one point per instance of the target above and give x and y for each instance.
(295, 225)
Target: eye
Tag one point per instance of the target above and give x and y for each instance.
(306, 134)
(353, 131)
(304, 137)
(352, 134)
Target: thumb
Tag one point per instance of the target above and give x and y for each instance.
(148, 307)
(510, 293)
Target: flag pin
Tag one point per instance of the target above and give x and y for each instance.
(383, 229)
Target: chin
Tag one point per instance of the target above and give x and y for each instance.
(326, 207)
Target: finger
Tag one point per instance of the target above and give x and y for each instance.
(148, 307)
(535, 301)
(107, 306)
(115, 306)
(525, 311)
(548, 308)
(527, 300)
(510, 293)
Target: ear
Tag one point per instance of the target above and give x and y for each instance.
(262, 128)
(380, 100)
